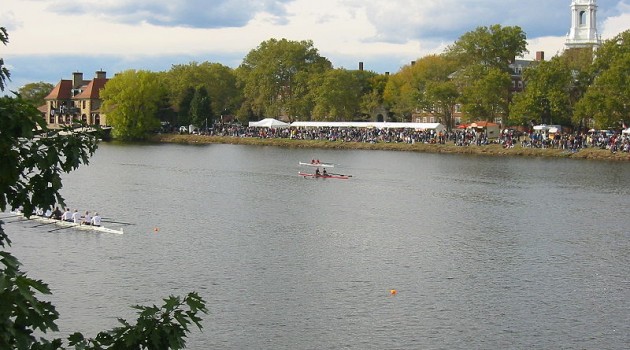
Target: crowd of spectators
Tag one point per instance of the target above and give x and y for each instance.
(615, 142)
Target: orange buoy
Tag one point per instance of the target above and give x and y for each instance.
(393, 292)
(156, 229)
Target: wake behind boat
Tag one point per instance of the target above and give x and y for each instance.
(326, 176)
(71, 225)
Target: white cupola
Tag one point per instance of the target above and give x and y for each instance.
(583, 25)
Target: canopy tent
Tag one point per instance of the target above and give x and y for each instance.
(269, 123)
(375, 125)
(627, 131)
(548, 128)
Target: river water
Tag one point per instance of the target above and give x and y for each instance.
(484, 252)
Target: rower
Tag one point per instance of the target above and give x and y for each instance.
(87, 218)
(67, 215)
(317, 172)
(96, 220)
(56, 214)
(325, 172)
(76, 217)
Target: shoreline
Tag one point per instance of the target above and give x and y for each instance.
(488, 150)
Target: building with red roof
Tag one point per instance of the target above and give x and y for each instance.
(76, 99)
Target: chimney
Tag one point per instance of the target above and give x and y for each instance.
(413, 63)
(77, 80)
(540, 55)
(360, 66)
(101, 74)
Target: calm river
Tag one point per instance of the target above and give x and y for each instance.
(484, 253)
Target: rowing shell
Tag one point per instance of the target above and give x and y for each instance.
(342, 177)
(323, 165)
(67, 224)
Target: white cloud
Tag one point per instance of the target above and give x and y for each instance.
(384, 34)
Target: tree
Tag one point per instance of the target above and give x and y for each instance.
(201, 108)
(218, 80)
(484, 57)
(373, 97)
(484, 92)
(30, 177)
(338, 94)
(424, 85)
(493, 46)
(4, 72)
(132, 100)
(183, 116)
(606, 100)
(35, 92)
(275, 77)
(546, 98)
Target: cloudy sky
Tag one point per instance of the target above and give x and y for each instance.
(50, 39)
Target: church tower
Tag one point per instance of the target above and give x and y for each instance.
(583, 32)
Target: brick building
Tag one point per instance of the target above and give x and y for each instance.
(76, 99)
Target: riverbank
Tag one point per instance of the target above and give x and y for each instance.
(490, 150)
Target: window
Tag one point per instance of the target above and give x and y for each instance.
(582, 18)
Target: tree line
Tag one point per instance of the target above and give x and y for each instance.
(579, 88)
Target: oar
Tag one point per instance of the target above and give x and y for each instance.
(339, 174)
(11, 216)
(118, 222)
(61, 228)
(48, 223)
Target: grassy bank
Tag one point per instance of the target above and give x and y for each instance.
(492, 150)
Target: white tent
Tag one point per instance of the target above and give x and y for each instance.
(437, 127)
(269, 123)
(627, 131)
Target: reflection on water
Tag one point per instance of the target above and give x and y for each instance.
(484, 252)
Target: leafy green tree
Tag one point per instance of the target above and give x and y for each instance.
(35, 92)
(201, 108)
(131, 101)
(218, 80)
(30, 177)
(338, 94)
(402, 90)
(183, 116)
(4, 72)
(494, 47)
(275, 77)
(484, 57)
(546, 98)
(484, 92)
(607, 100)
(424, 85)
(373, 96)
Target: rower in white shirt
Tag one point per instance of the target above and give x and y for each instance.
(87, 218)
(76, 217)
(96, 220)
(48, 213)
(67, 215)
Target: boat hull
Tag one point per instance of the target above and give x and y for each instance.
(71, 225)
(321, 176)
(323, 165)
